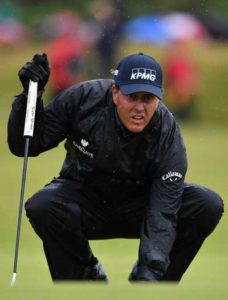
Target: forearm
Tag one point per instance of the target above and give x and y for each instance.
(51, 125)
(156, 240)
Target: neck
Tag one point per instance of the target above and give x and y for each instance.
(123, 132)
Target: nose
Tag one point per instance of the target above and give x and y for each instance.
(139, 105)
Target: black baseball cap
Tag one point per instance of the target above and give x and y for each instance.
(139, 73)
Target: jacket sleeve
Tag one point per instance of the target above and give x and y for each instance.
(159, 226)
(51, 123)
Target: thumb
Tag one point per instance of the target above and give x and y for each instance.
(45, 62)
(38, 58)
(41, 59)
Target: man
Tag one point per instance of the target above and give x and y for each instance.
(123, 175)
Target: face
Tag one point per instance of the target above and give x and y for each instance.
(135, 110)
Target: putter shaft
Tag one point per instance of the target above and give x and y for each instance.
(20, 209)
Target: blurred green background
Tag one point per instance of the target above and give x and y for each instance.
(33, 11)
(207, 148)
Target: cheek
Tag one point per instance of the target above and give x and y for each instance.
(122, 105)
(152, 108)
(125, 109)
(115, 98)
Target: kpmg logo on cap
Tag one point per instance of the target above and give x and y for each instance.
(143, 73)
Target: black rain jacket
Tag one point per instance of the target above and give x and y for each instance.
(151, 162)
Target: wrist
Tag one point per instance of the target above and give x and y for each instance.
(145, 273)
(39, 93)
(142, 272)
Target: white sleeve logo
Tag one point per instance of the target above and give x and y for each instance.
(172, 176)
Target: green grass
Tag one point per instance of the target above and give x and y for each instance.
(207, 147)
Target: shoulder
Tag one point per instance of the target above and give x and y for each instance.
(90, 92)
(171, 150)
(85, 94)
(163, 120)
(96, 86)
(168, 126)
(166, 117)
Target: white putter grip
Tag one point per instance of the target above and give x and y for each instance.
(31, 109)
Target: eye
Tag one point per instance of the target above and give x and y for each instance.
(144, 97)
(133, 97)
(148, 98)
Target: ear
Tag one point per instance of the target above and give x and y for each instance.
(114, 93)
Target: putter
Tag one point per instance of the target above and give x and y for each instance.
(28, 133)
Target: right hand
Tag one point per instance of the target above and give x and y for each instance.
(36, 70)
(141, 272)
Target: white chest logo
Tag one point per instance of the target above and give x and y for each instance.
(82, 148)
(143, 73)
(84, 143)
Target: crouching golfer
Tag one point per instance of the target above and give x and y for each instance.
(123, 175)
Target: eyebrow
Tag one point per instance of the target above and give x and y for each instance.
(142, 94)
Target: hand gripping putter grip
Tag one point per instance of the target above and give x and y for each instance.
(28, 133)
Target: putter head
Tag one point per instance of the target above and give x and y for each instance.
(13, 279)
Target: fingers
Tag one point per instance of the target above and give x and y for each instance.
(32, 72)
(41, 60)
(27, 74)
(37, 70)
(45, 60)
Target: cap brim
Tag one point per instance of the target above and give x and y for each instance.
(128, 89)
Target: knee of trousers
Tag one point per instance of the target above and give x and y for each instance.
(37, 209)
(211, 211)
(45, 214)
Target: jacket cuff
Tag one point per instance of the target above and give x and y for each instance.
(142, 272)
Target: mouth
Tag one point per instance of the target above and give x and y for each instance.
(137, 119)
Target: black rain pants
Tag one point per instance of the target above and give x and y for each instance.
(66, 219)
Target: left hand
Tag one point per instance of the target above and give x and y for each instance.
(37, 70)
